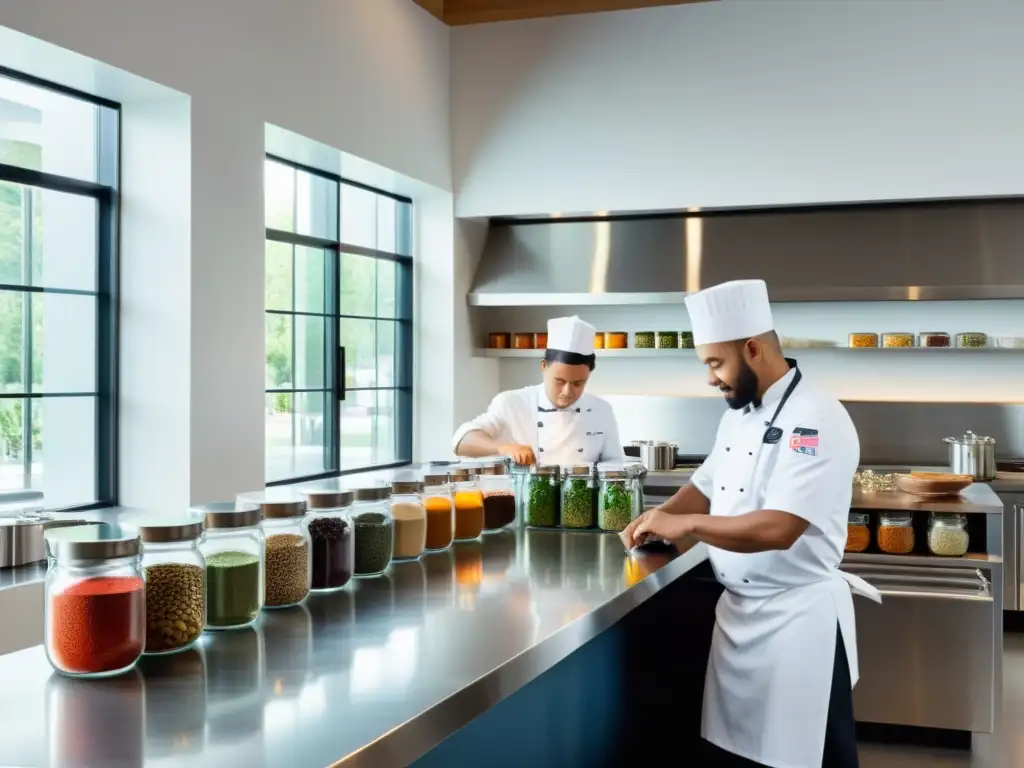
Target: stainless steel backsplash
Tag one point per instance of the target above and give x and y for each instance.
(890, 433)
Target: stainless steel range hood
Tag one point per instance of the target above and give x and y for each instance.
(879, 252)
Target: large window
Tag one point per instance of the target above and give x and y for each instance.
(58, 173)
(339, 325)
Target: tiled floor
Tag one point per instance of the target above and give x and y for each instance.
(1003, 749)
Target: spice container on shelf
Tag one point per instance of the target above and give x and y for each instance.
(616, 340)
(644, 340)
(971, 340)
(858, 535)
(933, 339)
(947, 534)
(541, 497)
(578, 496)
(686, 339)
(331, 539)
(499, 497)
(540, 340)
(863, 340)
(667, 340)
(374, 531)
(522, 341)
(897, 340)
(410, 519)
(896, 533)
(469, 504)
(95, 601)
(288, 566)
(232, 546)
(175, 584)
(440, 507)
(615, 499)
(499, 340)
(599, 340)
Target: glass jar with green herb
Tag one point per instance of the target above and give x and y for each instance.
(667, 340)
(615, 499)
(541, 496)
(578, 496)
(643, 340)
(233, 547)
(686, 339)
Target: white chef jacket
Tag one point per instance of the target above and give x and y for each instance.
(587, 432)
(770, 670)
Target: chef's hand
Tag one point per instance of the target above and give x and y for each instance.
(628, 534)
(520, 454)
(664, 525)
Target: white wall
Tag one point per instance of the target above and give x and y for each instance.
(739, 103)
(370, 77)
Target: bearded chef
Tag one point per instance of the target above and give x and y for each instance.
(554, 422)
(771, 502)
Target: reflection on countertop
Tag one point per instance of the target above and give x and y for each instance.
(375, 674)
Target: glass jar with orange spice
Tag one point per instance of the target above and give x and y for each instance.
(522, 341)
(896, 533)
(540, 340)
(858, 535)
(469, 504)
(599, 340)
(437, 498)
(616, 340)
(499, 340)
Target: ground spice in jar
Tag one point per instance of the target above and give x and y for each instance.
(499, 509)
(375, 541)
(410, 529)
(287, 578)
(440, 525)
(175, 612)
(896, 539)
(469, 514)
(232, 589)
(577, 503)
(332, 552)
(98, 625)
(858, 538)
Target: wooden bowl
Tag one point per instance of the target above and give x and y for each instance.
(933, 484)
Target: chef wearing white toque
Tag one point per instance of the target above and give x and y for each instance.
(771, 501)
(554, 422)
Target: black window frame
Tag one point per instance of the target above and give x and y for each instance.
(105, 192)
(334, 388)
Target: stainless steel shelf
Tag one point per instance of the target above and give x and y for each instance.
(484, 299)
(689, 353)
(974, 561)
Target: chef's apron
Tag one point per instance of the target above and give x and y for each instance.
(769, 677)
(572, 435)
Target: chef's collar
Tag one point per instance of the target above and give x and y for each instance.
(774, 393)
(544, 404)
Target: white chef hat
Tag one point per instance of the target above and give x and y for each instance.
(570, 334)
(735, 310)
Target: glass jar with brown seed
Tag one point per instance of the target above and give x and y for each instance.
(175, 584)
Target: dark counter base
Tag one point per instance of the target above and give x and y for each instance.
(600, 706)
(913, 735)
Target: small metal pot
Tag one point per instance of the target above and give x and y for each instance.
(656, 456)
(972, 455)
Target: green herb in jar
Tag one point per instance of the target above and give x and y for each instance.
(616, 508)
(686, 339)
(643, 340)
(667, 340)
(541, 503)
(577, 503)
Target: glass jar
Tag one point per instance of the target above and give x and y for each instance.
(95, 601)
(499, 340)
(578, 496)
(410, 519)
(374, 531)
(686, 339)
(667, 340)
(947, 534)
(971, 340)
(858, 535)
(644, 340)
(933, 339)
(541, 497)
(897, 340)
(598, 340)
(616, 498)
(331, 539)
(499, 493)
(863, 340)
(896, 533)
(440, 507)
(522, 341)
(175, 584)
(288, 567)
(469, 504)
(540, 340)
(232, 546)
(616, 340)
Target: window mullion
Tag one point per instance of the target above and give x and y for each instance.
(27, 372)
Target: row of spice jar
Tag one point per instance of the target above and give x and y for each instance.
(602, 340)
(578, 498)
(947, 534)
(934, 339)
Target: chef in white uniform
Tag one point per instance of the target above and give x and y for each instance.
(777, 485)
(554, 422)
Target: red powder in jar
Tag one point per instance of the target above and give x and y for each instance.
(98, 625)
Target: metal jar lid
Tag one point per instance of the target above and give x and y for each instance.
(970, 438)
(460, 474)
(373, 493)
(277, 510)
(406, 486)
(429, 480)
(165, 532)
(577, 470)
(545, 469)
(614, 473)
(91, 543)
(220, 515)
(328, 499)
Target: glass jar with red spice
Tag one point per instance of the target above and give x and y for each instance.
(95, 601)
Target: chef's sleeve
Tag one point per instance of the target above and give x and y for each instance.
(612, 449)
(494, 422)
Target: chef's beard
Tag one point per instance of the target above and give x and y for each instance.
(744, 392)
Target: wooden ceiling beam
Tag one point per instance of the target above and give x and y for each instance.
(461, 12)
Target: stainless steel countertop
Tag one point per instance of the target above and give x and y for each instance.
(374, 675)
